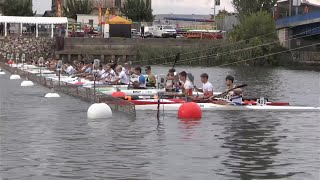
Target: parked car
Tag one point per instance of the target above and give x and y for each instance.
(163, 31)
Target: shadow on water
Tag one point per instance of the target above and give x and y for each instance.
(252, 146)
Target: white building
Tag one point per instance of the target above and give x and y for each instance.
(88, 19)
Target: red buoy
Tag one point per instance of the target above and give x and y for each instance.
(119, 94)
(79, 83)
(190, 110)
(10, 62)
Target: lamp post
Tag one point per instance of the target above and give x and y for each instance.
(96, 64)
(59, 69)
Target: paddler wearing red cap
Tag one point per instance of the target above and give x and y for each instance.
(207, 87)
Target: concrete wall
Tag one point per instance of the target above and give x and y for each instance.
(125, 48)
(283, 35)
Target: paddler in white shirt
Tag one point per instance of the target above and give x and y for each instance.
(108, 74)
(100, 72)
(207, 88)
(234, 96)
(122, 77)
(187, 86)
(172, 80)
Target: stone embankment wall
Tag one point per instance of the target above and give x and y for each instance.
(120, 48)
(162, 51)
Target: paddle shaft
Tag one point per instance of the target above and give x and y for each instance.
(176, 60)
(226, 92)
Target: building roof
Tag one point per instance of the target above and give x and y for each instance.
(119, 20)
(304, 2)
(34, 20)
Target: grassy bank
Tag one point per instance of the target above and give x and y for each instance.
(213, 54)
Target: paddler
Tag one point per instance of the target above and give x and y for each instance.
(101, 71)
(172, 80)
(234, 96)
(121, 77)
(127, 68)
(207, 88)
(186, 84)
(107, 75)
(141, 83)
(151, 79)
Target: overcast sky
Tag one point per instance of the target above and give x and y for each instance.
(161, 6)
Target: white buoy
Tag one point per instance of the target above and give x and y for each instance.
(26, 83)
(52, 95)
(2, 73)
(15, 77)
(99, 111)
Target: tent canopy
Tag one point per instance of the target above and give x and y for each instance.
(119, 20)
(33, 20)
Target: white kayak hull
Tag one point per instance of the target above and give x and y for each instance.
(217, 107)
(137, 92)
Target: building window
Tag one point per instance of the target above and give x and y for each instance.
(117, 3)
(91, 22)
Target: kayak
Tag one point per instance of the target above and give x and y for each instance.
(133, 92)
(174, 104)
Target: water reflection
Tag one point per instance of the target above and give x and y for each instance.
(188, 128)
(252, 145)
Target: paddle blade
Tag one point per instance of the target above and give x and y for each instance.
(191, 77)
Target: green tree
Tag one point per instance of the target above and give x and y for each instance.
(138, 10)
(247, 7)
(17, 8)
(254, 25)
(74, 7)
(257, 30)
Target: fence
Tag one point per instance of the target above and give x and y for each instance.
(86, 94)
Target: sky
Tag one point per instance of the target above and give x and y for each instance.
(162, 6)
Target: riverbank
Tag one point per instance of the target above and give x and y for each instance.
(163, 51)
(192, 52)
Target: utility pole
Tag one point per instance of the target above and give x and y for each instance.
(290, 7)
(214, 11)
(216, 3)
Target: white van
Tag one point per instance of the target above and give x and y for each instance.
(163, 31)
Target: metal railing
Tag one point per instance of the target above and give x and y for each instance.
(86, 94)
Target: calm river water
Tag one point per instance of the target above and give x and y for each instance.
(51, 139)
